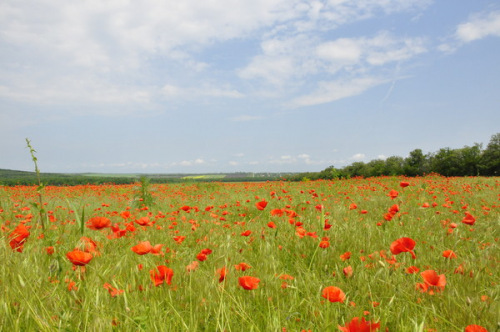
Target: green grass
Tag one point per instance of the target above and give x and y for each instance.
(34, 285)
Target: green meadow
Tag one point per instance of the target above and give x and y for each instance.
(177, 257)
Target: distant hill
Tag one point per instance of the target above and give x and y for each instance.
(14, 177)
(6, 173)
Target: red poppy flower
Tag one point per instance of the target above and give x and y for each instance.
(72, 286)
(248, 282)
(345, 256)
(432, 282)
(78, 257)
(404, 244)
(156, 250)
(469, 219)
(393, 194)
(246, 233)
(222, 272)
(201, 257)
(412, 270)
(206, 251)
(179, 239)
(353, 206)
(475, 328)
(261, 205)
(18, 237)
(49, 250)
(242, 267)
(271, 224)
(161, 274)
(394, 209)
(113, 291)
(449, 254)
(192, 266)
(286, 277)
(144, 221)
(277, 212)
(347, 271)
(404, 184)
(357, 325)
(333, 294)
(142, 248)
(117, 232)
(97, 223)
(125, 214)
(324, 244)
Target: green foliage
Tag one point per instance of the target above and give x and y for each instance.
(467, 161)
(490, 158)
(415, 163)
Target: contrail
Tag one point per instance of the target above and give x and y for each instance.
(391, 88)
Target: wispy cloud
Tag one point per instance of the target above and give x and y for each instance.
(478, 26)
(353, 65)
(335, 90)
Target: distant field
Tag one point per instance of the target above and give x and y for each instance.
(107, 175)
(13, 177)
(205, 177)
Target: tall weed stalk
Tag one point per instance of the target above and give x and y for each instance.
(40, 187)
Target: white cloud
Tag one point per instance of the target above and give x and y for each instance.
(143, 52)
(273, 69)
(349, 62)
(344, 50)
(358, 157)
(479, 26)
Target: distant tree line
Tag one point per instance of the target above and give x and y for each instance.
(467, 161)
(51, 179)
(22, 178)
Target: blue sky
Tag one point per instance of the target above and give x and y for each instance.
(230, 85)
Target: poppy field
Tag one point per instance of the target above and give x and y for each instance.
(375, 254)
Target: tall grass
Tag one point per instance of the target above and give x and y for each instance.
(37, 290)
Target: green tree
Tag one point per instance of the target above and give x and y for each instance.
(469, 160)
(394, 166)
(446, 162)
(415, 163)
(490, 159)
(357, 168)
(329, 173)
(375, 167)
